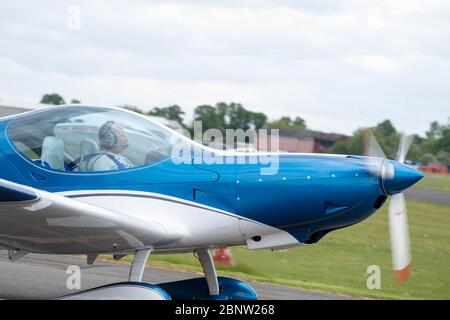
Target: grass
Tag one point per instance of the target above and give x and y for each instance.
(439, 182)
(339, 262)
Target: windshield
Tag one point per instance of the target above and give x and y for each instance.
(90, 139)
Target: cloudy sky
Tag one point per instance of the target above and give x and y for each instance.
(338, 64)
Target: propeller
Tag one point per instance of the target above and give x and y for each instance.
(400, 245)
(389, 172)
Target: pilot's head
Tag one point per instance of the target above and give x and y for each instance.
(112, 137)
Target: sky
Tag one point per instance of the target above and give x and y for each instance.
(339, 65)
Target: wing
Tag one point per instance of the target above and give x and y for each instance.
(37, 221)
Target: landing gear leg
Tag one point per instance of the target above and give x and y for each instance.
(209, 270)
(138, 265)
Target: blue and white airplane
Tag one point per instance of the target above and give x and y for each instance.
(102, 180)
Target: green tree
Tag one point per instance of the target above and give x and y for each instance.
(354, 146)
(75, 101)
(443, 144)
(172, 113)
(235, 116)
(287, 122)
(385, 128)
(52, 98)
(415, 151)
(443, 157)
(437, 143)
(229, 116)
(435, 131)
(258, 120)
(209, 116)
(384, 132)
(428, 158)
(387, 137)
(340, 147)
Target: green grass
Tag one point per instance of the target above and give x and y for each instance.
(439, 182)
(339, 262)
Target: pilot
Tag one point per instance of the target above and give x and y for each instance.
(113, 141)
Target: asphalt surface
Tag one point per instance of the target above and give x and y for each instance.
(428, 195)
(9, 111)
(44, 277)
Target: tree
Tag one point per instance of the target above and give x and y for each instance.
(340, 147)
(437, 143)
(443, 157)
(229, 116)
(354, 146)
(443, 144)
(387, 137)
(209, 117)
(172, 113)
(235, 116)
(433, 149)
(435, 130)
(53, 98)
(428, 158)
(258, 120)
(287, 122)
(385, 128)
(415, 151)
(75, 101)
(384, 132)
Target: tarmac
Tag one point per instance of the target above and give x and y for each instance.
(38, 276)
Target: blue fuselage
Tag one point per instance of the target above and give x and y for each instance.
(308, 195)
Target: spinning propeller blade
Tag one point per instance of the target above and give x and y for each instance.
(375, 154)
(373, 147)
(405, 144)
(396, 177)
(398, 221)
(400, 246)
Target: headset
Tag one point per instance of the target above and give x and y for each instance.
(106, 135)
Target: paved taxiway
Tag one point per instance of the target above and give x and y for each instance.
(428, 195)
(44, 277)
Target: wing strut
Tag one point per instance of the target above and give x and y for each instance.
(138, 265)
(209, 269)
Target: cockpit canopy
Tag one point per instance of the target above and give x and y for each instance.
(60, 138)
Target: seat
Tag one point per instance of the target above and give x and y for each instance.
(153, 156)
(53, 153)
(26, 151)
(87, 147)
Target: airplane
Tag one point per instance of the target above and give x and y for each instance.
(64, 191)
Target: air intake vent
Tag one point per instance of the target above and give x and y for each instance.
(379, 202)
(332, 207)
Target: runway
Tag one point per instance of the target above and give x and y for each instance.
(442, 197)
(44, 277)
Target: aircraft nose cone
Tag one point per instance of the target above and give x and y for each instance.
(398, 177)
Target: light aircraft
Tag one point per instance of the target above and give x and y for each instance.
(64, 189)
